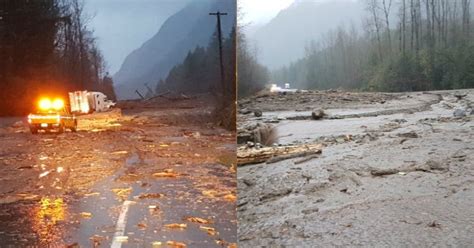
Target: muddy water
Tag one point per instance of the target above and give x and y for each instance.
(337, 201)
(309, 130)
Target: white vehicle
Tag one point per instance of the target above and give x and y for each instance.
(276, 88)
(88, 102)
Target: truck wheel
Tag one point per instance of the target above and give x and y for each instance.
(74, 128)
(34, 130)
(61, 128)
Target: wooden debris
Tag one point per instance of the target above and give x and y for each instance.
(306, 159)
(210, 230)
(176, 225)
(230, 197)
(166, 173)
(86, 215)
(176, 244)
(274, 154)
(198, 220)
(149, 196)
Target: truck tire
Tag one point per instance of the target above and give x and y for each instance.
(74, 128)
(61, 128)
(34, 130)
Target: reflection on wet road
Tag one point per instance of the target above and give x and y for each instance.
(155, 204)
(132, 181)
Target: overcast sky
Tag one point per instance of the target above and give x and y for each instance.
(122, 26)
(257, 12)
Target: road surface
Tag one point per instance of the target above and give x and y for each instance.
(153, 174)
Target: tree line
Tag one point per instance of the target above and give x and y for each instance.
(404, 45)
(200, 70)
(46, 48)
(252, 75)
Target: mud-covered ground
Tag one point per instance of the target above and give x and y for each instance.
(397, 170)
(150, 174)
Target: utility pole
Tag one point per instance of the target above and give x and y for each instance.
(219, 34)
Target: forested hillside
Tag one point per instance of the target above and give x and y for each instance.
(429, 46)
(190, 27)
(46, 48)
(200, 71)
(284, 37)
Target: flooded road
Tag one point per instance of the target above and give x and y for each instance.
(142, 179)
(403, 177)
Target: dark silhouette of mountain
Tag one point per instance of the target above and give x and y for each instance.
(283, 39)
(190, 27)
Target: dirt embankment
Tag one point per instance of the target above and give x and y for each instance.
(398, 173)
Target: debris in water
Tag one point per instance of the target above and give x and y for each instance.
(44, 174)
(211, 231)
(156, 244)
(86, 215)
(210, 193)
(92, 194)
(176, 225)
(142, 225)
(120, 152)
(230, 197)
(434, 223)
(198, 220)
(121, 239)
(166, 173)
(59, 169)
(176, 244)
(96, 239)
(123, 193)
(383, 172)
(149, 196)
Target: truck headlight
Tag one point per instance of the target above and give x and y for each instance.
(58, 104)
(45, 104)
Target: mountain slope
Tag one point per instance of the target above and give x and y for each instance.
(183, 31)
(283, 39)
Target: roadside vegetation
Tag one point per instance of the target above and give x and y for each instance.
(404, 45)
(46, 47)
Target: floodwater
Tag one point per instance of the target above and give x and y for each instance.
(423, 199)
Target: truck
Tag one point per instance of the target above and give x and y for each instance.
(51, 115)
(87, 102)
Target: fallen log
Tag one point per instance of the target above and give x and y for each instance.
(247, 156)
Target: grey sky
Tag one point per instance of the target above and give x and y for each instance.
(122, 26)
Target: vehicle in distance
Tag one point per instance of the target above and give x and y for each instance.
(51, 115)
(85, 102)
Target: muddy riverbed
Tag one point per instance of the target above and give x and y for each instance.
(151, 174)
(396, 171)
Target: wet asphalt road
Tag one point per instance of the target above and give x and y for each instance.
(135, 182)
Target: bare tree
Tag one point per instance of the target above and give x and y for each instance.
(373, 7)
(386, 9)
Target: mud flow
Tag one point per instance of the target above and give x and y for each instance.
(149, 174)
(394, 169)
